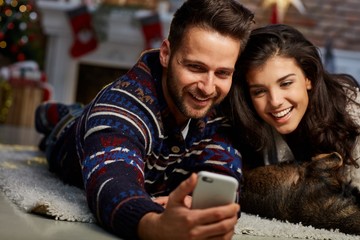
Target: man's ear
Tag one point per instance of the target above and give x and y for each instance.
(165, 53)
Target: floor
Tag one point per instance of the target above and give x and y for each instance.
(16, 224)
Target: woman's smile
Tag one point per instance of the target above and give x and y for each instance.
(279, 93)
(282, 114)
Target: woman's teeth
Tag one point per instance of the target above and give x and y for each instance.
(282, 113)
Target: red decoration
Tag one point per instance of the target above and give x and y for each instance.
(21, 57)
(83, 31)
(274, 15)
(152, 30)
(14, 48)
(26, 74)
(10, 26)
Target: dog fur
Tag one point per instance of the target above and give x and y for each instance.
(313, 193)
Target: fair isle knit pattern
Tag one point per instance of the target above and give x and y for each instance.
(130, 148)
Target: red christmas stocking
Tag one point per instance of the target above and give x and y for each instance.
(274, 15)
(83, 31)
(152, 30)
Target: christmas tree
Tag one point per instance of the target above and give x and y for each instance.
(21, 36)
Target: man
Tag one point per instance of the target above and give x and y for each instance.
(146, 133)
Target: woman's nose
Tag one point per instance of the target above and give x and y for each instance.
(275, 98)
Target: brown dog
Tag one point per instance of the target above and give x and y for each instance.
(312, 193)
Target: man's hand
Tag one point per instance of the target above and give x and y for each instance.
(178, 221)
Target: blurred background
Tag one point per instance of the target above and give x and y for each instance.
(67, 50)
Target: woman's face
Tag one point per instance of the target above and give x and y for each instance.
(279, 93)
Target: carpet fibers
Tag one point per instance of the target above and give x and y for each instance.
(26, 181)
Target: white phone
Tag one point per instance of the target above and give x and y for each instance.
(213, 189)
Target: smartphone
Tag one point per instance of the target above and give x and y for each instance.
(213, 189)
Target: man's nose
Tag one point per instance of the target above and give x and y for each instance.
(207, 84)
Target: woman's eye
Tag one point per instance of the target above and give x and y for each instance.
(257, 92)
(286, 84)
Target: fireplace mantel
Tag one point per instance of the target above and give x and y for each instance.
(122, 47)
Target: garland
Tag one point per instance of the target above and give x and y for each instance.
(6, 100)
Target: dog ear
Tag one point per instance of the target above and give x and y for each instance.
(327, 161)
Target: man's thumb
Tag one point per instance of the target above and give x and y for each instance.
(184, 189)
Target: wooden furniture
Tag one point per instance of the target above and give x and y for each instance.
(19, 99)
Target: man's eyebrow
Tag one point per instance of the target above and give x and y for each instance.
(188, 61)
(185, 61)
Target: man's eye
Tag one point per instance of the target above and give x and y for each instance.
(224, 74)
(195, 68)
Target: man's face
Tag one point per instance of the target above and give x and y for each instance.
(199, 73)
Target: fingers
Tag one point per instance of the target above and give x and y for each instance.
(161, 200)
(211, 223)
(188, 201)
(223, 229)
(164, 200)
(215, 214)
(179, 195)
(228, 236)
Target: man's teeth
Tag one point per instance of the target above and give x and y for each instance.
(282, 113)
(200, 98)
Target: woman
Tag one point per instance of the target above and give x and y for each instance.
(288, 106)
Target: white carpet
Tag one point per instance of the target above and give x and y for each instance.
(26, 181)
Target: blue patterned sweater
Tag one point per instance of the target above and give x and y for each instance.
(130, 149)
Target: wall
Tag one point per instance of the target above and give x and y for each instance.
(335, 20)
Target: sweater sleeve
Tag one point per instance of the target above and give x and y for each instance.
(118, 130)
(114, 181)
(113, 173)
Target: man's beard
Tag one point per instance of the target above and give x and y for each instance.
(175, 95)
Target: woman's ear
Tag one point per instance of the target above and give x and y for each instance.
(308, 84)
(165, 53)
